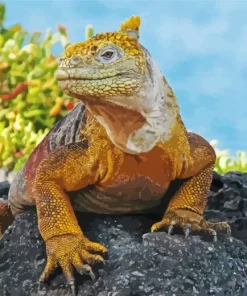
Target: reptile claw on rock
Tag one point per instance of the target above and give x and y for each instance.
(170, 229)
(72, 286)
(187, 230)
(214, 236)
(86, 269)
(229, 232)
(92, 275)
(73, 289)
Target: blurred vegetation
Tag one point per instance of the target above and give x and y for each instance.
(226, 162)
(31, 101)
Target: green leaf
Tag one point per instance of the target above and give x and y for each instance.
(89, 32)
(2, 13)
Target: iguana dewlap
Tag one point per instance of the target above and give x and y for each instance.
(115, 153)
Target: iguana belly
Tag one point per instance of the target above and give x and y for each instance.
(137, 195)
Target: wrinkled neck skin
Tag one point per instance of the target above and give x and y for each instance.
(137, 123)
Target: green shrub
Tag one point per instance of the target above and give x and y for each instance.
(226, 163)
(30, 99)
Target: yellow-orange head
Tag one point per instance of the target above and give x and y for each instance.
(115, 69)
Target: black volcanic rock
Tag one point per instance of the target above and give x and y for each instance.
(229, 202)
(138, 263)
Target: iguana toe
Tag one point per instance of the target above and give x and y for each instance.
(191, 223)
(50, 267)
(71, 251)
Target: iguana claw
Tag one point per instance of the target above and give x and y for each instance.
(72, 286)
(229, 232)
(86, 269)
(187, 229)
(92, 275)
(191, 222)
(214, 233)
(170, 229)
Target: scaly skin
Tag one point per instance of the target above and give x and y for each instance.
(128, 144)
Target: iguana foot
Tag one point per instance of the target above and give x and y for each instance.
(191, 222)
(71, 251)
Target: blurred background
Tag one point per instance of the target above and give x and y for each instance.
(200, 47)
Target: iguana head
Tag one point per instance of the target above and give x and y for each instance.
(116, 78)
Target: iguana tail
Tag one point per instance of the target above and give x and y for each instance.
(6, 217)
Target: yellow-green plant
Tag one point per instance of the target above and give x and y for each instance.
(30, 99)
(226, 163)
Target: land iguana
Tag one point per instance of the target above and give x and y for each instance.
(118, 150)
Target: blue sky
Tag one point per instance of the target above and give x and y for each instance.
(200, 46)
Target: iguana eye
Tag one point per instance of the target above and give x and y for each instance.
(108, 55)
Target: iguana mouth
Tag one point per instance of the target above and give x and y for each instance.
(62, 74)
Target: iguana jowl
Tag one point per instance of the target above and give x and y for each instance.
(119, 151)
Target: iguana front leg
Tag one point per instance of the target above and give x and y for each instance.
(67, 169)
(186, 208)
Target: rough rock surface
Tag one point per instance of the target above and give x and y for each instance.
(139, 263)
(229, 202)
